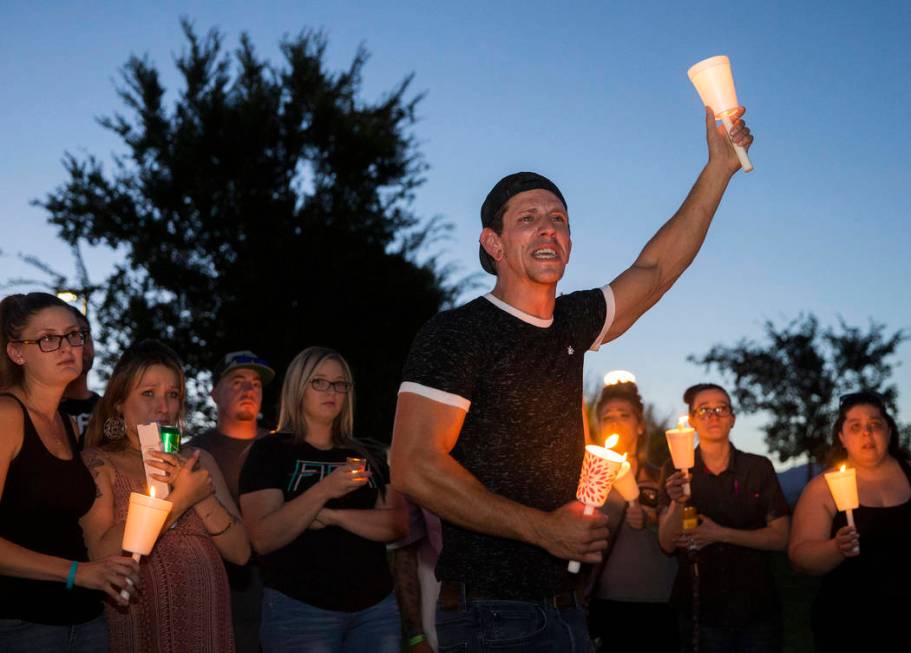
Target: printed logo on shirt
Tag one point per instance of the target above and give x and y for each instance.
(315, 468)
(570, 350)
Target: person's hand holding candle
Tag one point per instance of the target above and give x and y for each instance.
(600, 468)
(843, 486)
(715, 84)
(680, 440)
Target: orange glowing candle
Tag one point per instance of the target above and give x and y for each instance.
(145, 517)
(843, 486)
(680, 441)
(599, 470)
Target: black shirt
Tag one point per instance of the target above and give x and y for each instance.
(230, 454)
(81, 411)
(735, 582)
(520, 380)
(43, 499)
(329, 568)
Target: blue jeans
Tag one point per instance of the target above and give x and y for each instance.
(481, 625)
(292, 625)
(759, 636)
(18, 636)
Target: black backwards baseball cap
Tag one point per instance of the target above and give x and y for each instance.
(507, 187)
(243, 359)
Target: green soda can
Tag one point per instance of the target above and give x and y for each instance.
(170, 438)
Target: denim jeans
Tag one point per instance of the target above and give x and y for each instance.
(292, 625)
(759, 636)
(481, 625)
(18, 636)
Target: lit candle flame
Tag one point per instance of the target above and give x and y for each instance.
(152, 491)
(683, 422)
(842, 468)
(611, 441)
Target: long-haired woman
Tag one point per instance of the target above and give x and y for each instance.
(633, 587)
(866, 570)
(184, 605)
(319, 517)
(46, 583)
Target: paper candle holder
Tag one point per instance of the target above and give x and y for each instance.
(843, 486)
(145, 518)
(599, 470)
(714, 82)
(680, 441)
(626, 483)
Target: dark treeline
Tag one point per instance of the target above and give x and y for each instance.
(266, 207)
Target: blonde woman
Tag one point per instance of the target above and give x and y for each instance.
(320, 523)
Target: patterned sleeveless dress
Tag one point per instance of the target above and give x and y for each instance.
(183, 604)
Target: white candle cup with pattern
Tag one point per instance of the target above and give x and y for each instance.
(599, 471)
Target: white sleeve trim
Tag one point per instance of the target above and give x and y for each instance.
(610, 309)
(441, 396)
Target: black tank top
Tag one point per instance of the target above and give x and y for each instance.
(866, 599)
(43, 499)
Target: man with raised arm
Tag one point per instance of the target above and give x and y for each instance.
(488, 433)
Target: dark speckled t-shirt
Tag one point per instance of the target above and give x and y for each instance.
(520, 380)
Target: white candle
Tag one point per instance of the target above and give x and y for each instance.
(715, 84)
(145, 518)
(843, 486)
(680, 441)
(599, 470)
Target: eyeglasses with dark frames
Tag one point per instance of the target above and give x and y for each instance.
(323, 385)
(718, 411)
(52, 342)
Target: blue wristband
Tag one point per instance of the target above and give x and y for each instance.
(71, 579)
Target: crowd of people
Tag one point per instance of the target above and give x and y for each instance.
(280, 539)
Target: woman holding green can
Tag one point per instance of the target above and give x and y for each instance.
(184, 605)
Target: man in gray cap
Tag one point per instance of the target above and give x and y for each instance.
(488, 432)
(239, 378)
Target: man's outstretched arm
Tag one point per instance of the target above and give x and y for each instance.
(422, 467)
(673, 248)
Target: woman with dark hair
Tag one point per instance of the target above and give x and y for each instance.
(866, 570)
(319, 519)
(633, 586)
(184, 604)
(46, 597)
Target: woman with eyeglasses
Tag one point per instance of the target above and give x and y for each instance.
(50, 595)
(633, 586)
(319, 510)
(743, 517)
(865, 594)
(184, 604)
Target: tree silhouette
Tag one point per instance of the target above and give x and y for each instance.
(797, 375)
(268, 208)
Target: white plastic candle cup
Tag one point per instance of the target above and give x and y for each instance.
(843, 486)
(145, 518)
(599, 471)
(715, 84)
(626, 483)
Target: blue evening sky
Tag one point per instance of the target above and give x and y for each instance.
(591, 94)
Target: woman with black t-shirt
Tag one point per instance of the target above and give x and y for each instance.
(319, 520)
(865, 595)
(46, 597)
